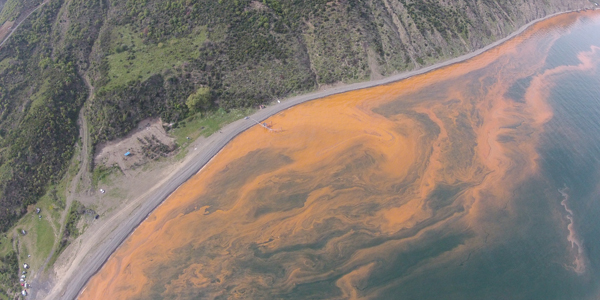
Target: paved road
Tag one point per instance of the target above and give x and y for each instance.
(106, 239)
(17, 26)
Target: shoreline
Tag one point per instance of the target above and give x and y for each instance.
(112, 234)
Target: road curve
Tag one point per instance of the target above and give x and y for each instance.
(90, 257)
(17, 26)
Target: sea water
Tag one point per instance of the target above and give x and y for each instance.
(475, 181)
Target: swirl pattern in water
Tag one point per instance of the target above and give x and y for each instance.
(458, 184)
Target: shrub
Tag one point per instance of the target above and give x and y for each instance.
(201, 99)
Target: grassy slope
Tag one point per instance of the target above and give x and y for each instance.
(11, 10)
(2, 2)
(140, 60)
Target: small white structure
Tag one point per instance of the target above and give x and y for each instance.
(24, 293)
(102, 191)
(25, 266)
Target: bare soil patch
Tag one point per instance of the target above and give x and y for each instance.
(5, 29)
(256, 5)
(148, 141)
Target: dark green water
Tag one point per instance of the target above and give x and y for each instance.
(535, 259)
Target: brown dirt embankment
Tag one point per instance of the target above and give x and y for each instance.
(112, 153)
(5, 29)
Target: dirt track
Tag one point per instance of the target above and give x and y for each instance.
(102, 241)
(14, 28)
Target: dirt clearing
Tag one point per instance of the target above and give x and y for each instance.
(148, 141)
(5, 29)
